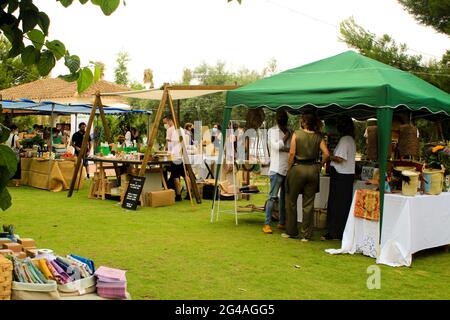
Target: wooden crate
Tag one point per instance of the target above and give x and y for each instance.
(6, 273)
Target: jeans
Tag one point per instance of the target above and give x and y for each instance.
(277, 183)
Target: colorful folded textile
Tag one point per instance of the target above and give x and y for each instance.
(111, 283)
(367, 204)
(112, 293)
(44, 269)
(60, 271)
(59, 278)
(85, 270)
(88, 262)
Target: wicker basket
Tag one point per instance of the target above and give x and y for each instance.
(6, 269)
(408, 143)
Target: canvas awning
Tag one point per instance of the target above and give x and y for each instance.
(176, 92)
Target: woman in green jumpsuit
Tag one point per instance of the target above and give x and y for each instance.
(303, 175)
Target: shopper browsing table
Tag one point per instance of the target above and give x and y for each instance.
(303, 175)
(342, 174)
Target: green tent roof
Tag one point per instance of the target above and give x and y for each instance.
(345, 81)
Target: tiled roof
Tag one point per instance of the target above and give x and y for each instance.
(47, 89)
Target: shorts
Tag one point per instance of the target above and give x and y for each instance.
(176, 171)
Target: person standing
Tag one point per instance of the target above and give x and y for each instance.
(13, 143)
(128, 137)
(77, 142)
(342, 174)
(173, 146)
(278, 136)
(303, 175)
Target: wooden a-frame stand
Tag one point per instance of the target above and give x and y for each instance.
(166, 97)
(97, 104)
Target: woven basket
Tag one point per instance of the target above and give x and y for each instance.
(408, 143)
(6, 270)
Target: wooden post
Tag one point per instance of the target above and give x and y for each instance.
(178, 111)
(83, 146)
(107, 133)
(153, 132)
(185, 159)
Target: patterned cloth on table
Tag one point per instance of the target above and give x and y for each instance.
(367, 204)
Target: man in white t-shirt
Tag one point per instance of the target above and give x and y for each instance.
(278, 137)
(173, 146)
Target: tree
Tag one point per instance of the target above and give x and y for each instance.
(187, 76)
(12, 70)
(386, 50)
(148, 77)
(433, 13)
(121, 71)
(21, 20)
(99, 69)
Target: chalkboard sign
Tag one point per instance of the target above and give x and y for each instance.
(133, 193)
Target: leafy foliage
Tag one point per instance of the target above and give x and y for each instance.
(121, 71)
(434, 13)
(21, 20)
(8, 166)
(13, 71)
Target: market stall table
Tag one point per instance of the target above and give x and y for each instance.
(153, 179)
(53, 175)
(410, 224)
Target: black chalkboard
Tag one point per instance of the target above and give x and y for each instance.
(133, 193)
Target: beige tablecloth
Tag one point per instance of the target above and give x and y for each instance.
(53, 175)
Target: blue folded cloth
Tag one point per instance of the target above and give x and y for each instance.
(89, 262)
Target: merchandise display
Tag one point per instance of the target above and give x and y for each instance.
(27, 273)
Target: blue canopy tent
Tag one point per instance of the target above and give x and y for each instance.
(49, 107)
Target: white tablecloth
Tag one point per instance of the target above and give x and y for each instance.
(410, 224)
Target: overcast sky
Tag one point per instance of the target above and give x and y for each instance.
(169, 35)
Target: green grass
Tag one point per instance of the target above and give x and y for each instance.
(176, 253)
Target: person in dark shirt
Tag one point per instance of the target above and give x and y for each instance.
(77, 141)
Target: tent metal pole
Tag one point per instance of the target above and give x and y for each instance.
(384, 119)
(51, 148)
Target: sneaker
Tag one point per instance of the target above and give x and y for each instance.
(267, 229)
(281, 226)
(285, 235)
(178, 197)
(304, 240)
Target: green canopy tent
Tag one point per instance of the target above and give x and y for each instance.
(347, 83)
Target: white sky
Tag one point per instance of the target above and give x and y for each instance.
(169, 35)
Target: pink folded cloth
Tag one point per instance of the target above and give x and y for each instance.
(112, 293)
(105, 273)
(116, 285)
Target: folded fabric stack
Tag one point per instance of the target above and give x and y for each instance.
(26, 271)
(50, 267)
(111, 283)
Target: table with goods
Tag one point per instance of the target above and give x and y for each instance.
(106, 184)
(28, 272)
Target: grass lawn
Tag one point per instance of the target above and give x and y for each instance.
(176, 253)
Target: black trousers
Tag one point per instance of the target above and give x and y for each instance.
(339, 202)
